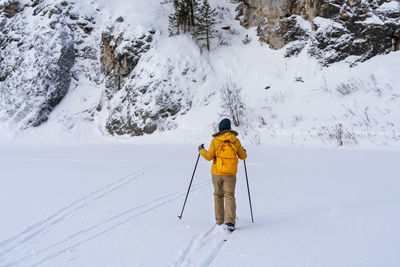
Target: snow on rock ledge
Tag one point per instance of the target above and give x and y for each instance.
(37, 55)
(357, 27)
(154, 93)
(50, 48)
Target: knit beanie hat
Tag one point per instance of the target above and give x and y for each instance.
(225, 124)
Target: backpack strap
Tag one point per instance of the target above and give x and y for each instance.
(233, 146)
(219, 149)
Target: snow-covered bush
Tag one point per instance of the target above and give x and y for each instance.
(354, 85)
(347, 88)
(232, 102)
(278, 97)
(340, 134)
(255, 139)
(246, 40)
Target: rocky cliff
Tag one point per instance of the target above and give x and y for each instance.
(119, 72)
(50, 47)
(334, 29)
(35, 60)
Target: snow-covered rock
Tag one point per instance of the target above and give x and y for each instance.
(98, 69)
(340, 28)
(37, 55)
(48, 47)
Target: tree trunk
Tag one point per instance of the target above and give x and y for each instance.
(191, 12)
(208, 39)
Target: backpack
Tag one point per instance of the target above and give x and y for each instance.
(226, 158)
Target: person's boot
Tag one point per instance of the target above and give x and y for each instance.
(230, 226)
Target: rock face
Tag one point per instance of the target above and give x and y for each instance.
(135, 108)
(35, 68)
(119, 55)
(335, 29)
(50, 47)
(140, 101)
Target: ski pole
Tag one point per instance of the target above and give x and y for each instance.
(187, 194)
(248, 190)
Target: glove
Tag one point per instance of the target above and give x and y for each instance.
(201, 147)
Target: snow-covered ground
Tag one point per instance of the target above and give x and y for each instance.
(117, 205)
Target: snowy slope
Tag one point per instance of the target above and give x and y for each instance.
(304, 102)
(118, 205)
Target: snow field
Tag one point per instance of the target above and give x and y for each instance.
(117, 205)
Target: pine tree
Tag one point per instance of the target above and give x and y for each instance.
(173, 26)
(191, 17)
(174, 20)
(206, 20)
(191, 6)
(184, 16)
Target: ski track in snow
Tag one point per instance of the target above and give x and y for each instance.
(203, 248)
(35, 230)
(199, 248)
(82, 236)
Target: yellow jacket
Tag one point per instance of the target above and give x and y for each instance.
(218, 140)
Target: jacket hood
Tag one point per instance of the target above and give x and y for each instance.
(224, 132)
(229, 135)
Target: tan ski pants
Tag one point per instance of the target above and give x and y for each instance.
(224, 187)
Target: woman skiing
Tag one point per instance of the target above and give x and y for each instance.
(224, 150)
